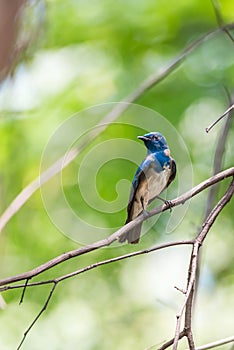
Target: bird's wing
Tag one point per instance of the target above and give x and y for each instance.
(139, 185)
(139, 178)
(134, 208)
(173, 171)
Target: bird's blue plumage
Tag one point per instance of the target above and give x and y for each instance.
(154, 174)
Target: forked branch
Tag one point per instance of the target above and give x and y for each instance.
(109, 240)
(199, 240)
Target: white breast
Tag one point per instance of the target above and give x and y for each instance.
(157, 181)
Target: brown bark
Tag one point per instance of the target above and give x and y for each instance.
(9, 27)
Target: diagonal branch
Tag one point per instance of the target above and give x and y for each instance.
(189, 292)
(171, 341)
(188, 301)
(147, 84)
(187, 304)
(219, 19)
(97, 264)
(38, 315)
(192, 272)
(187, 331)
(216, 343)
(217, 166)
(218, 159)
(115, 236)
(221, 117)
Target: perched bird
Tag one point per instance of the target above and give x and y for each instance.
(155, 173)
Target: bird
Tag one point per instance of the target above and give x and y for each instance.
(153, 176)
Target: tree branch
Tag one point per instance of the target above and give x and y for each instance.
(216, 343)
(38, 315)
(109, 240)
(171, 341)
(9, 28)
(60, 164)
(218, 158)
(222, 116)
(190, 288)
(188, 301)
(191, 273)
(217, 166)
(97, 264)
(219, 19)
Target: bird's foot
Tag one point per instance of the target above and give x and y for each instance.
(167, 203)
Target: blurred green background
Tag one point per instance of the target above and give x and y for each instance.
(84, 54)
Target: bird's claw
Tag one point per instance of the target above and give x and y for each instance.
(168, 204)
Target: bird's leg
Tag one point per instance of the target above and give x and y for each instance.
(143, 206)
(166, 202)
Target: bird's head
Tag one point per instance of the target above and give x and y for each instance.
(154, 141)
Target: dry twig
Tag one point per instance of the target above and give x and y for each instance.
(221, 117)
(109, 240)
(188, 301)
(187, 304)
(216, 343)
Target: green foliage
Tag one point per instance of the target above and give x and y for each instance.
(94, 53)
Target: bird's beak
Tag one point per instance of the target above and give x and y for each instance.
(143, 138)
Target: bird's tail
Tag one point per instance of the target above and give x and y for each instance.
(133, 235)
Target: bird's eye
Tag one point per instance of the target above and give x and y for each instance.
(156, 138)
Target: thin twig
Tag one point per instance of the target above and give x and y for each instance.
(193, 268)
(215, 212)
(217, 166)
(219, 18)
(98, 264)
(217, 11)
(38, 315)
(115, 236)
(155, 79)
(189, 304)
(218, 158)
(192, 277)
(123, 257)
(147, 84)
(189, 309)
(191, 274)
(23, 292)
(222, 116)
(171, 341)
(216, 343)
